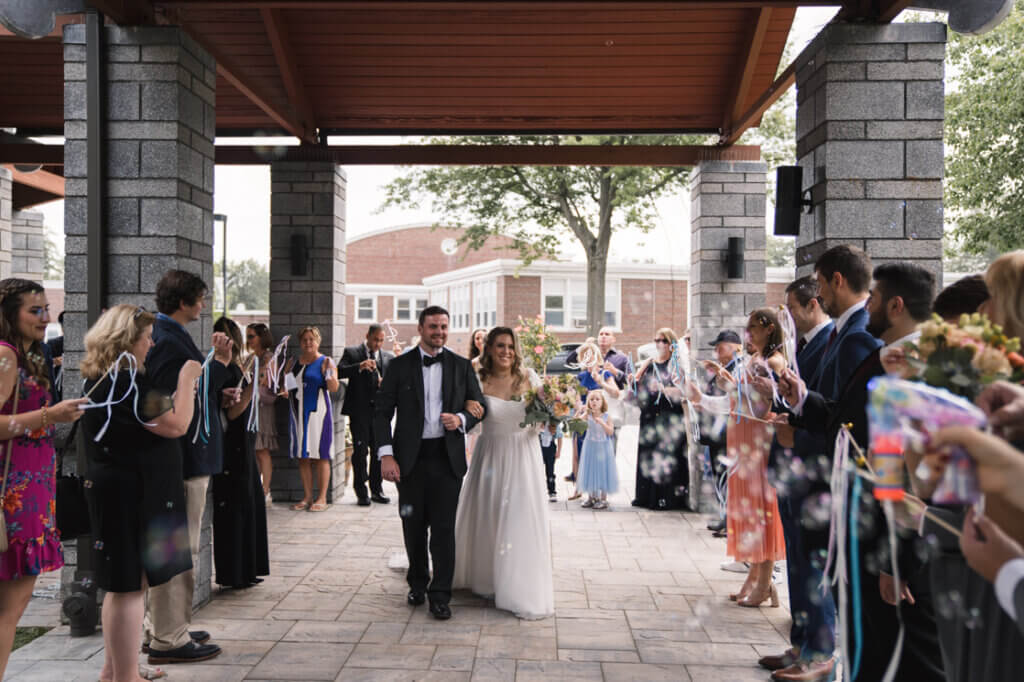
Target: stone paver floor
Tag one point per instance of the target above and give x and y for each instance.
(639, 596)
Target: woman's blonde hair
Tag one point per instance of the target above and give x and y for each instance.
(311, 330)
(604, 398)
(1005, 281)
(487, 363)
(117, 330)
(669, 334)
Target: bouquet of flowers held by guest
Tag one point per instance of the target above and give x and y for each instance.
(963, 358)
(552, 403)
(537, 343)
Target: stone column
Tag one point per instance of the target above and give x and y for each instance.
(727, 200)
(6, 209)
(308, 199)
(159, 160)
(27, 245)
(870, 108)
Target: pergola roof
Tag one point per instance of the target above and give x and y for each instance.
(346, 66)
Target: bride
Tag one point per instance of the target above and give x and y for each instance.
(502, 539)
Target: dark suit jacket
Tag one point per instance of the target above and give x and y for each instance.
(173, 347)
(843, 356)
(403, 390)
(808, 362)
(362, 386)
(1018, 604)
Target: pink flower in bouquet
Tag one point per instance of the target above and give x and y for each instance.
(538, 349)
(541, 337)
(518, 329)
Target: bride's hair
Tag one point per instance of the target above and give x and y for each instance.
(487, 362)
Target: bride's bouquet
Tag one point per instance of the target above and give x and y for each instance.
(551, 403)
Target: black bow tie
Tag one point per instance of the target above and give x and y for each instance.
(428, 361)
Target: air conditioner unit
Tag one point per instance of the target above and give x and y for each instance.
(579, 322)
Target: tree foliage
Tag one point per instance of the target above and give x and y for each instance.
(985, 137)
(53, 257)
(248, 285)
(537, 205)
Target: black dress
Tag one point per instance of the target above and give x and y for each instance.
(240, 552)
(662, 470)
(135, 490)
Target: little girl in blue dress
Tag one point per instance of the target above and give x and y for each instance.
(597, 474)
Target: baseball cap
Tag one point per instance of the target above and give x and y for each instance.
(726, 336)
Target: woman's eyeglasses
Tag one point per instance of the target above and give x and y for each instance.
(664, 341)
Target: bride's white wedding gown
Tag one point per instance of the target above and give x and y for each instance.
(502, 537)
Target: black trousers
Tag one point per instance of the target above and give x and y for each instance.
(548, 452)
(363, 447)
(428, 497)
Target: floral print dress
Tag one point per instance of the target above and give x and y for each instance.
(33, 541)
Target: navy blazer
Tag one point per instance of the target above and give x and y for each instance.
(172, 348)
(805, 444)
(843, 356)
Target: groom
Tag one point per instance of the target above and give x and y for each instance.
(426, 457)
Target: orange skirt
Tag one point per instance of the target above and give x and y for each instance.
(755, 530)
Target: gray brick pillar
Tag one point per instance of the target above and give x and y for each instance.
(27, 245)
(870, 108)
(159, 168)
(308, 199)
(6, 210)
(727, 200)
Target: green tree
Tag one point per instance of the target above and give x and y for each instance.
(985, 137)
(535, 205)
(248, 284)
(53, 257)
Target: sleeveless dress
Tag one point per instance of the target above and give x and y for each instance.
(266, 437)
(597, 473)
(33, 541)
(502, 536)
(312, 426)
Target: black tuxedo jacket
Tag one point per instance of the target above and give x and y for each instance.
(402, 390)
(362, 386)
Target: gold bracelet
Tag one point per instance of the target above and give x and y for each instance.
(45, 420)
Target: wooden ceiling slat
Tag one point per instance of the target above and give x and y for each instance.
(311, 44)
(502, 28)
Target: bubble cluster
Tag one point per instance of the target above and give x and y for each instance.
(405, 511)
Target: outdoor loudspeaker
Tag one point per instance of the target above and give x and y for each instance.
(299, 255)
(789, 200)
(734, 258)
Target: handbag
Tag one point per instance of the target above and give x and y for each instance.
(7, 469)
(72, 509)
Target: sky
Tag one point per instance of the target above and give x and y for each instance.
(243, 194)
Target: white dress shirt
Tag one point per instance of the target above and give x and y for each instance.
(809, 336)
(1007, 579)
(848, 313)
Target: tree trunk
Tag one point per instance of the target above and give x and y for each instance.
(597, 267)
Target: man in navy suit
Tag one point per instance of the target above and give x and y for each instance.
(812, 634)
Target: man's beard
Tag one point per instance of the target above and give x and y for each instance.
(878, 324)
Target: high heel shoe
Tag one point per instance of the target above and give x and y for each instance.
(752, 601)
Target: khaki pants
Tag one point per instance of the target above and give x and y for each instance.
(169, 606)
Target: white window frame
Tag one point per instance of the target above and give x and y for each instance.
(358, 308)
(485, 303)
(460, 312)
(414, 309)
(611, 285)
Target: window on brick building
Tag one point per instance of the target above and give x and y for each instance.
(565, 302)
(439, 297)
(485, 303)
(366, 308)
(409, 309)
(459, 311)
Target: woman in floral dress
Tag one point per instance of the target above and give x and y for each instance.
(33, 542)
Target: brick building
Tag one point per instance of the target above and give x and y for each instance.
(394, 273)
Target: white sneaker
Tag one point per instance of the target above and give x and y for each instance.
(735, 566)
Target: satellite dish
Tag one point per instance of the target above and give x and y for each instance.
(970, 17)
(449, 247)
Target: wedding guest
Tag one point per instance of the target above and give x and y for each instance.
(364, 366)
(55, 348)
(312, 425)
(260, 343)
(590, 377)
(240, 552)
(727, 346)
(136, 493)
(598, 474)
(755, 531)
(551, 449)
(26, 437)
(1005, 281)
(614, 361)
(963, 296)
(476, 346)
(180, 297)
(662, 474)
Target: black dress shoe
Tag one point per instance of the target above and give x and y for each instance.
(416, 598)
(197, 636)
(189, 653)
(440, 611)
(362, 500)
(379, 498)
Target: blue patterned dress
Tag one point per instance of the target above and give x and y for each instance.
(312, 424)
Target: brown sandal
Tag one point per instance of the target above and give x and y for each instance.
(299, 506)
(318, 507)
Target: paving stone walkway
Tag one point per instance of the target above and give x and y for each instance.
(639, 596)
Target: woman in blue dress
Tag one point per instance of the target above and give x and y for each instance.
(311, 421)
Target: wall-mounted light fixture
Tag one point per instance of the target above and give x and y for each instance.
(734, 258)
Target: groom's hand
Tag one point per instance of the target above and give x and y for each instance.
(450, 421)
(389, 469)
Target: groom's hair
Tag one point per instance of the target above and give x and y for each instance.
(433, 310)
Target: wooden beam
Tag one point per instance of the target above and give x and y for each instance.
(464, 5)
(47, 186)
(738, 126)
(125, 12)
(490, 155)
(882, 11)
(747, 67)
(289, 73)
(31, 154)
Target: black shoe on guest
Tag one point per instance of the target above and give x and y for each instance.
(362, 500)
(379, 498)
(440, 611)
(197, 636)
(188, 653)
(415, 598)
